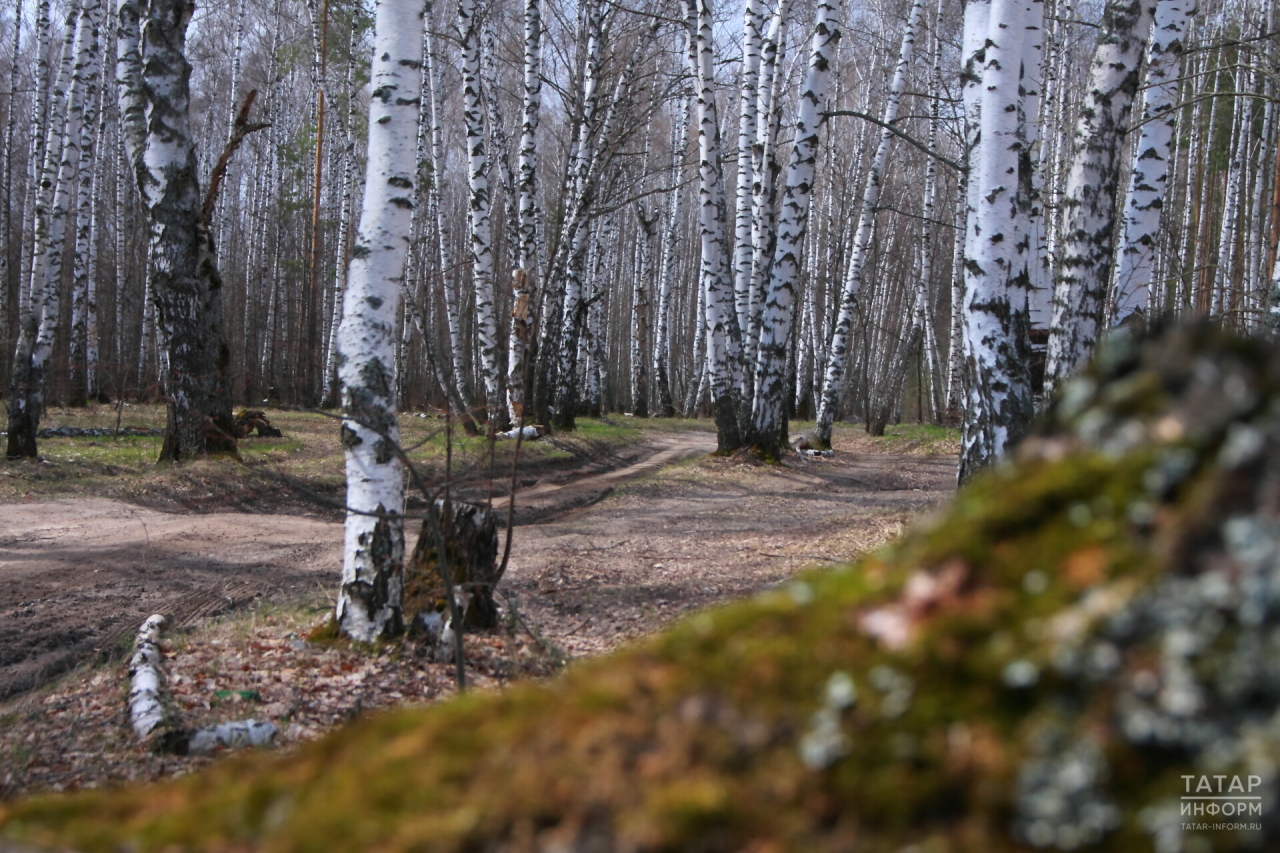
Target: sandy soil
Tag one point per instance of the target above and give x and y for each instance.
(599, 557)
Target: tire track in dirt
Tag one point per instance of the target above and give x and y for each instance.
(78, 576)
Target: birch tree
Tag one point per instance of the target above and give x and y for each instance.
(154, 80)
(524, 280)
(838, 350)
(1084, 262)
(369, 603)
(999, 405)
(768, 423)
(39, 310)
(469, 32)
(88, 72)
(1149, 178)
(723, 336)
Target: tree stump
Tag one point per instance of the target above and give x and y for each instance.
(471, 547)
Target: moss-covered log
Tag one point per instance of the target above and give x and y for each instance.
(1039, 666)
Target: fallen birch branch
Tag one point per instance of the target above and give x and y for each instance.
(146, 680)
(147, 713)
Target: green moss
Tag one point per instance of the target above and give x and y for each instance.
(929, 695)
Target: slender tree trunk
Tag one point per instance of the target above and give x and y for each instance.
(453, 319)
(838, 351)
(662, 337)
(1084, 263)
(769, 424)
(723, 334)
(1148, 182)
(640, 314)
(8, 296)
(333, 387)
(369, 604)
(765, 171)
(525, 277)
(39, 309)
(748, 133)
(999, 406)
(89, 70)
(469, 31)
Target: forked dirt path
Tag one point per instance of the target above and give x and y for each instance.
(78, 576)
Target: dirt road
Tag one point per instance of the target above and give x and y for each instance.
(597, 559)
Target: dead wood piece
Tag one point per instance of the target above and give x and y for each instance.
(151, 722)
(146, 680)
(471, 541)
(250, 420)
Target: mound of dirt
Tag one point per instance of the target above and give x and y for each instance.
(1042, 666)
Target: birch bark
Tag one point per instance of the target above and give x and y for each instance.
(662, 335)
(1084, 260)
(768, 424)
(1149, 179)
(999, 406)
(8, 304)
(453, 320)
(525, 278)
(748, 133)
(838, 351)
(88, 73)
(154, 78)
(469, 31)
(723, 339)
(369, 604)
(39, 314)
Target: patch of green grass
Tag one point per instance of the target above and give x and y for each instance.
(310, 454)
(926, 439)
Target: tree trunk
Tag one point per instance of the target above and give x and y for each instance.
(1084, 262)
(838, 352)
(469, 32)
(723, 336)
(89, 73)
(1148, 181)
(370, 602)
(525, 277)
(38, 311)
(999, 406)
(186, 287)
(769, 424)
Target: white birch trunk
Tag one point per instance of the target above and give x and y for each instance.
(525, 278)
(1148, 182)
(6, 175)
(999, 406)
(333, 388)
(369, 604)
(748, 133)
(765, 169)
(155, 115)
(768, 423)
(40, 317)
(89, 73)
(1224, 290)
(662, 335)
(146, 680)
(723, 344)
(469, 31)
(838, 351)
(453, 319)
(1084, 262)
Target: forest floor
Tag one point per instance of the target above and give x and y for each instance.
(619, 530)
